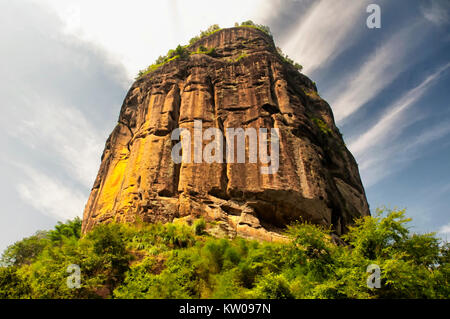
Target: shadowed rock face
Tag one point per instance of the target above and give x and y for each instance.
(246, 84)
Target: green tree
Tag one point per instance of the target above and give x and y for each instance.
(12, 285)
(180, 261)
(111, 258)
(213, 28)
(68, 230)
(272, 286)
(411, 264)
(25, 251)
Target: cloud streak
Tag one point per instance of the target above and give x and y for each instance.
(379, 70)
(385, 159)
(384, 128)
(324, 32)
(444, 230)
(61, 96)
(376, 150)
(50, 196)
(437, 12)
(66, 134)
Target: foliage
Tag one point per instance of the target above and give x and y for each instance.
(180, 261)
(199, 226)
(203, 50)
(183, 52)
(272, 287)
(70, 229)
(322, 125)
(211, 30)
(24, 251)
(412, 265)
(241, 56)
(179, 52)
(11, 284)
(286, 59)
(251, 24)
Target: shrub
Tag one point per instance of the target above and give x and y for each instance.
(199, 226)
(322, 126)
(138, 282)
(179, 52)
(298, 66)
(108, 246)
(212, 29)
(272, 286)
(286, 59)
(68, 230)
(241, 56)
(182, 52)
(12, 286)
(251, 24)
(202, 50)
(411, 265)
(178, 261)
(25, 251)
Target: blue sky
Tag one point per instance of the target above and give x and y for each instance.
(67, 65)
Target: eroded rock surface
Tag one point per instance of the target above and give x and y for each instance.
(246, 84)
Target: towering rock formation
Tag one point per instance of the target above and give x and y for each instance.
(245, 84)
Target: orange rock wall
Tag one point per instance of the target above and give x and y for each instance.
(246, 85)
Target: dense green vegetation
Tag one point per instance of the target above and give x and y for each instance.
(180, 261)
(251, 24)
(183, 52)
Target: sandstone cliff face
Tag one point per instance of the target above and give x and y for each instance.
(247, 84)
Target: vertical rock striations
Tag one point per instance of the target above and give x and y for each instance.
(246, 84)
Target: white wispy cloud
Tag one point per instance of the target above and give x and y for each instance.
(437, 12)
(324, 32)
(436, 133)
(377, 72)
(136, 32)
(387, 158)
(50, 196)
(61, 96)
(384, 128)
(64, 132)
(378, 152)
(444, 230)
